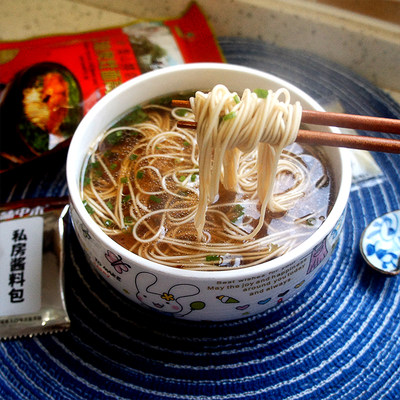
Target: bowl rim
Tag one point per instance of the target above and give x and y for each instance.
(291, 256)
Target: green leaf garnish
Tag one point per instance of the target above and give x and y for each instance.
(193, 177)
(124, 180)
(136, 116)
(86, 181)
(133, 157)
(107, 223)
(126, 198)
(181, 112)
(236, 98)
(110, 205)
(228, 116)
(88, 208)
(212, 258)
(140, 174)
(261, 93)
(115, 137)
(97, 168)
(155, 199)
(182, 178)
(310, 221)
(238, 210)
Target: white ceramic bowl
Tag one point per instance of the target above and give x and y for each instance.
(198, 295)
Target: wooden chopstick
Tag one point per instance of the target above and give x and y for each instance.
(352, 121)
(362, 122)
(349, 141)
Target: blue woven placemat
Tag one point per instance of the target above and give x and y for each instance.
(339, 339)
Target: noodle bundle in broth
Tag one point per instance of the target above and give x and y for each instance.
(233, 193)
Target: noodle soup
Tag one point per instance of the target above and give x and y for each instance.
(141, 186)
(221, 275)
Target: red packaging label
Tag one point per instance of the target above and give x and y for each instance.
(49, 83)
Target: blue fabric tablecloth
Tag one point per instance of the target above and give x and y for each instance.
(339, 339)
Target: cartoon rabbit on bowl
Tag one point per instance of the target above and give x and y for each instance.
(174, 301)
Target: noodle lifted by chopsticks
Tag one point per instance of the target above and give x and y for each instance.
(228, 125)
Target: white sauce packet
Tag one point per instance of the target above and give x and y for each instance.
(32, 268)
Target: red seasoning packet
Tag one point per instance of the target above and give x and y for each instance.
(32, 268)
(48, 84)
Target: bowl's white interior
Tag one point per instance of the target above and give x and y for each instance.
(182, 78)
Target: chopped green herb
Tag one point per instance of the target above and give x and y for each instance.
(126, 198)
(140, 174)
(128, 220)
(183, 193)
(158, 148)
(186, 144)
(212, 258)
(165, 100)
(133, 157)
(124, 180)
(239, 211)
(136, 116)
(155, 199)
(110, 205)
(115, 137)
(310, 221)
(238, 208)
(181, 112)
(107, 223)
(88, 208)
(108, 153)
(86, 181)
(236, 98)
(98, 170)
(113, 166)
(193, 177)
(182, 178)
(261, 93)
(228, 116)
